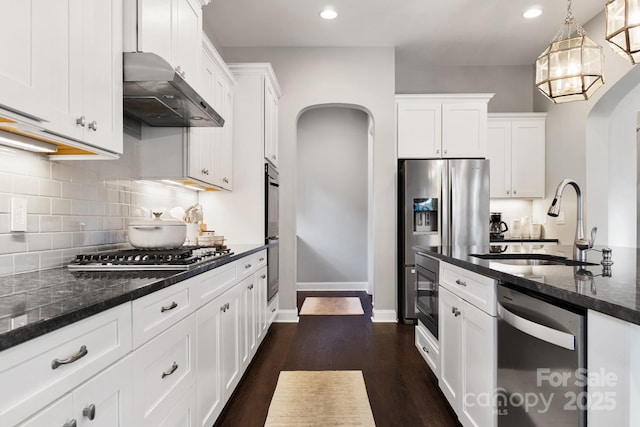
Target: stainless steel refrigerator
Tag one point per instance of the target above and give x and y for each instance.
(442, 202)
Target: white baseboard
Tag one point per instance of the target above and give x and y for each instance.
(287, 316)
(384, 316)
(333, 286)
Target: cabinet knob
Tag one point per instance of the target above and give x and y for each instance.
(247, 266)
(425, 349)
(514, 191)
(181, 72)
(223, 308)
(273, 310)
(264, 276)
(445, 151)
(93, 126)
(455, 311)
(225, 180)
(250, 287)
(71, 423)
(261, 259)
(205, 171)
(227, 305)
(89, 412)
(508, 192)
(82, 121)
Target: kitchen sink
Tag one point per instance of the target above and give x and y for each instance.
(531, 259)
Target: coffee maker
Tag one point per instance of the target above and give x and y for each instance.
(497, 226)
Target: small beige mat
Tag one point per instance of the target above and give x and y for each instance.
(320, 398)
(331, 306)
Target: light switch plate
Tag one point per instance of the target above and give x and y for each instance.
(18, 214)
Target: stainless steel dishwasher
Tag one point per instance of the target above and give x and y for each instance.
(541, 362)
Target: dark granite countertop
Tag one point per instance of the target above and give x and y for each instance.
(498, 241)
(51, 299)
(615, 291)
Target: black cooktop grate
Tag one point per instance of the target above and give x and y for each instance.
(183, 256)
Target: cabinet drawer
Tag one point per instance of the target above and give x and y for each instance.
(215, 282)
(156, 312)
(41, 370)
(163, 371)
(259, 260)
(246, 266)
(476, 289)
(428, 348)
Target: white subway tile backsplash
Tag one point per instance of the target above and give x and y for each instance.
(50, 188)
(12, 243)
(71, 209)
(61, 206)
(38, 242)
(23, 184)
(61, 240)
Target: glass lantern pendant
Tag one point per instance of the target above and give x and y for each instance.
(571, 67)
(623, 28)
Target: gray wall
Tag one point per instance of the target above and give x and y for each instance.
(331, 209)
(361, 77)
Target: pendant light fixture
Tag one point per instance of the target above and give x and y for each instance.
(623, 28)
(570, 68)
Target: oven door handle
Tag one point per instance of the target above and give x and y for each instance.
(545, 333)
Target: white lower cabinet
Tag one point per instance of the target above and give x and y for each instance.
(468, 365)
(164, 371)
(103, 401)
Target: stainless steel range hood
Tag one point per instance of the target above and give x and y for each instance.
(157, 95)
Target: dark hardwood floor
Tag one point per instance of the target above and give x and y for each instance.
(402, 389)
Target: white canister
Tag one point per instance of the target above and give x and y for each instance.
(514, 228)
(535, 231)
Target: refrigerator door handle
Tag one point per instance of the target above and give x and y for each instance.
(445, 209)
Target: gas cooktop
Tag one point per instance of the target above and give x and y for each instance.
(182, 258)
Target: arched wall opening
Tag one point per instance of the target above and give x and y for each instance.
(333, 220)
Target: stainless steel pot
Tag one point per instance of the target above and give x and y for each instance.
(157, 233)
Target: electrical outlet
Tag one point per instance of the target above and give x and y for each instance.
(18, 214)
(18, 321)
(560, 218)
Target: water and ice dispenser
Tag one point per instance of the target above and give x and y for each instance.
(425, 215)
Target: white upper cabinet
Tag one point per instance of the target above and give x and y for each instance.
(173, 30)
(442, 126)
(517, 155)
(62, 75)
(271, 98)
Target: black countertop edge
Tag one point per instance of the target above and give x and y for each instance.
(33, 330)
(524, 241)
(563, 295)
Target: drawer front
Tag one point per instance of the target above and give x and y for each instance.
(215, 282)
(156, 312)
(247, 265)
(260, 260)
(43, 369)
(164, 370)
(428, 348)
(476, 289)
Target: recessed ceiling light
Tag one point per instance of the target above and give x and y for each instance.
(328, 14)
(534, 12)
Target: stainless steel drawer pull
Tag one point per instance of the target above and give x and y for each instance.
(227, 305)
(169, 307)
(71, 423)
(264, 276)
(461, 283)
(261, 259)
(425, 349)
(250, 287)
(89, 412)
(223, 308)
(247, 266)
(79, 355)
(455, 311)
(170, 371)
(273, 310)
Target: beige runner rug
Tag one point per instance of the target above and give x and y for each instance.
(320, 398)
(331, 306)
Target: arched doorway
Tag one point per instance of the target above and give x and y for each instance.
(333, 198)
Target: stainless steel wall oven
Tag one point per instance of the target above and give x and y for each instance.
(427, 292)
(272, 230)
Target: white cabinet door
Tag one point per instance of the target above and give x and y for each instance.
(419, 129)
(499, 155)
(528, 158)
(172, 29)
(34, 67)
(261, 305)
(464, 129)
(231, 327)
(478, 365)
(225, 152)
(209, 348)
(449, 332)
(247, 315)
(270, 123)
(516, 150)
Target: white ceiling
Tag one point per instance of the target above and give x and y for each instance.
(452, 32)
